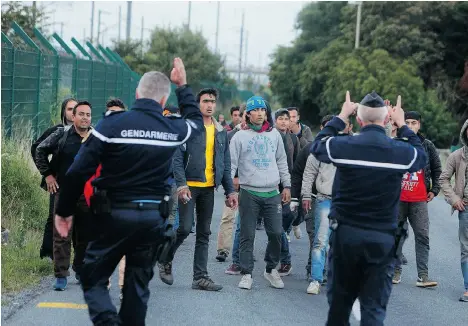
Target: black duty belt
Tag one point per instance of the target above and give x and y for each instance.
(130, 205)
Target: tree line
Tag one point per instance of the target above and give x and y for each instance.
(416, 49)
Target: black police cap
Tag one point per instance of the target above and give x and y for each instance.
(373, 100)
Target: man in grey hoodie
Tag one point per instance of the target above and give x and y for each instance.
(258, 154)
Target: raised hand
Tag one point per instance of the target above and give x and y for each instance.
(349, 108)
(397, 114)
(178, 74)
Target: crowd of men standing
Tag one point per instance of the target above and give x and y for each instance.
(274, 175)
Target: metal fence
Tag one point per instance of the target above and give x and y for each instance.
(37, 76)
(39, 72)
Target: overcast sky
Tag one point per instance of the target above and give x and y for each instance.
(268, 23)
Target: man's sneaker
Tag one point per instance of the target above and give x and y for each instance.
(165, 273)
(77, 278)
(313, 288)
(121, 295)
(222, 256)
(233, 269)
(464, 297)
(288, 237)
(297, 232)
(285, 269)
(246, 282)
(206, 283)
(425, 282)
(60, 284)
(404, 261)
(396, 277)
(274, 278)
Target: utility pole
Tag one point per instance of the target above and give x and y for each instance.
(84, 35)
(142, 31)
(99, 25)
(61, 29)
(217, 29)
(92, 21)
(120, 23)
(189, 13)
(129, 19)
(358, 25)
(34, 13)
(246, 45)
(240, 49)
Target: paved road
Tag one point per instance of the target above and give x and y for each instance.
(180, 305)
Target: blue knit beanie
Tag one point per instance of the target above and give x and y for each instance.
(255, 102)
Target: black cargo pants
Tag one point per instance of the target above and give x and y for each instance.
(136, 234)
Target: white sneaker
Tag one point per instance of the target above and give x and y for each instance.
(274, 278)
(313, 288)
(246, 282)
(297, 232)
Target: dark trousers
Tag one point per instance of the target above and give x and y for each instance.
(47, 247)
(81, 233)
(361, 266)
(203, 200)
(309, 219)
(250, 208)
(135, 234)
(418, 217)
(288, 218)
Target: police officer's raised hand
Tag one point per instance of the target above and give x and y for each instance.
(178, 74)
(63, 225)
(349, 108)
(397, 114)
(286, 196)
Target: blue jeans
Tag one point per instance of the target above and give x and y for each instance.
(321, 239)
(463, 236)
(236, 244)
(288, 219)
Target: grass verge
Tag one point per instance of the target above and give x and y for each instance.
(25, 208)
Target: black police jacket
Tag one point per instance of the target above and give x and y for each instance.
(370, 166)
(135, 149)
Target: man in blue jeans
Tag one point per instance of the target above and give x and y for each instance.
(323, 175)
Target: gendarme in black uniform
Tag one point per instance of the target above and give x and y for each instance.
(135, 149)
(365, 202)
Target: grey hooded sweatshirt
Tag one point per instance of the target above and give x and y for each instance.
(260, 159)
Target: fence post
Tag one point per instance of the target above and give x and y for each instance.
(85, 53)
(49, 46)
(75, 61)
(9, 124)
(19, 31)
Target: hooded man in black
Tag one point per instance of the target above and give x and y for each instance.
(65, 119)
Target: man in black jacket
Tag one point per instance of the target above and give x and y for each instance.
(64, 144)
(199, 169)
(66, 117)
(415, 195)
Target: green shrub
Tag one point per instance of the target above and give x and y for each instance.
(25, 207)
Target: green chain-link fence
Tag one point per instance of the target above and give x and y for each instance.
(39, 72)
(37, 76)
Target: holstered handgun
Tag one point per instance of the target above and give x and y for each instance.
(400, 238)
(100, 203)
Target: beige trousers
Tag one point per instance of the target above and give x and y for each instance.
(226, 230)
